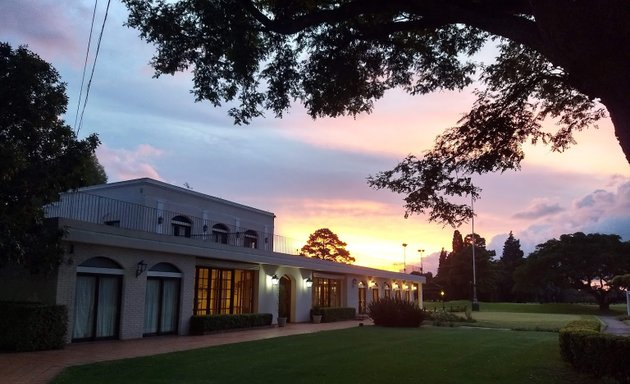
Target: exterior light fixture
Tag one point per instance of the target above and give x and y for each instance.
(308, 282)
(141, 267)
(274, 279)
(395, 286)
(372, 284)
(205, 228)
(361, 284)
(406, 287)
(414, 287)
(354, 282)
(387, 287)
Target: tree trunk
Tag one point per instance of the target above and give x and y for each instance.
(620, 116)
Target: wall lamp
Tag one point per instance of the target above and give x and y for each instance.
(141, 267)
(395, 286)
(361, 284)
(274, 279)
(387, 287)
(406, 287)
(414, 287)
(309, 282)
(354, 283)
(372, 284)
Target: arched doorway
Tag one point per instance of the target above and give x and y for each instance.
(284, 298)
(97, 300)
(161, 305)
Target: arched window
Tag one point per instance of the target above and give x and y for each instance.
(181, 226)
(220, 233)
(161, 304)
(251, 239)
(97, 299)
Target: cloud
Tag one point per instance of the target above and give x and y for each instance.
(122, 164)
(538, 210)
(601, 211)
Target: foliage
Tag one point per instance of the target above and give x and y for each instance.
(395, 313)
(40, 156)
(379, 353)
(447, 318)
(621, 281)
(200, 325)
(511, 259)
(332, 314)
(32, 326)
(594, 353)
(338, 58)
(456, 274)
(325, 245)
(587, 262)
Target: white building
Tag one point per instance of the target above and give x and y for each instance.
(143, 256)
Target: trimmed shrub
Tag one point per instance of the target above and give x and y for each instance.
(395, 313)
(332, 314)
(443, 318)
(589, 351)
(200, 325)
(32, 326)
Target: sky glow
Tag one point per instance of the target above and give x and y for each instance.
(312, 173)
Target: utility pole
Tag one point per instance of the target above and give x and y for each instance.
(475, 302)
(420, 251)
(404, 257)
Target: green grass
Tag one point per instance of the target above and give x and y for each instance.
(524, 321)
(555, 308)
(363, 354)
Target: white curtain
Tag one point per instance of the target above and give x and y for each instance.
(170, 301)
(107, 314)
(151, 306)
(84, 307)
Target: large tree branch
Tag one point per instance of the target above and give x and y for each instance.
(500, 18)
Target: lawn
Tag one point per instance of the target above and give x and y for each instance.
(554, 308)
(364, 354)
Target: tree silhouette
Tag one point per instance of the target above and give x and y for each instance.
(324, 244)
(555, 59)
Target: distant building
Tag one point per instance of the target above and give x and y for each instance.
(143, 256)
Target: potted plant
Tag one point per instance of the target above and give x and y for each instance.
(316, 314)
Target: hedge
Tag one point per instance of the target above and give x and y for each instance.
(200, 325)
(32, 326)
(332, 314)
(395, 313)
(589, 351)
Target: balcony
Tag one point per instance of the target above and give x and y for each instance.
(96, 209)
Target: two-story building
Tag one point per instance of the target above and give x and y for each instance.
(142, 256)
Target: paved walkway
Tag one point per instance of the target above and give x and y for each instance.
(614, 326)
(43, 366)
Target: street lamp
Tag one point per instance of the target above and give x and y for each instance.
(404, 257)
(420, 251)
(442, 295)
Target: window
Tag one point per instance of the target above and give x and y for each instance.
(251, 239)
(97, 300)
(326, 292)
(181, 226)
(375, 296)
(220, 233)
(223, 291)
(407, 296)
(161, 305)
(398, 295)
(362, 299)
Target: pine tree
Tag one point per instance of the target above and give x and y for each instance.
(511, 259)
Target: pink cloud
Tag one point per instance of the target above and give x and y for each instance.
(122, 164)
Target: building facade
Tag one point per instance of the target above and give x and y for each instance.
(142, 257)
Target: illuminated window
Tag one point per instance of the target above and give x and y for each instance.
(223, 291)
(326, 292)
(362, 298)
(375, 295)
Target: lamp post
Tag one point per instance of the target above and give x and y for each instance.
(475, 302)
(442, 295)
(404, 257)
(420, 251)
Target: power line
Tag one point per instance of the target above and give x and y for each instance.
(98, 48)
(87, 54)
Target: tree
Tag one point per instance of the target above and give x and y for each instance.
(586, 262)
(556, 60)
(40, 156)
(511, 259)
(458, 241)
(325, 245)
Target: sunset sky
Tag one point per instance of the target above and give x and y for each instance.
(310, 173)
